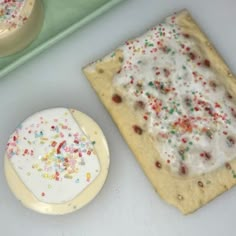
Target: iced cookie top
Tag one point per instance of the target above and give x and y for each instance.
(14, 13)
(53, 156)
(172, 86)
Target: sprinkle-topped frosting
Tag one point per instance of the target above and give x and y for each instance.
(14, 13)
(180, 99)
(52, 156)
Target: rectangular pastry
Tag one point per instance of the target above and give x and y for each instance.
(173, 99)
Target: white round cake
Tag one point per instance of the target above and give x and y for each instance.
(20, 23)
(56, 161)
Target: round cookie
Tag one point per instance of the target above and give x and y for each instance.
(56, 161)
(20, 23)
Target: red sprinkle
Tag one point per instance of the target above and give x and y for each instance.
(230, 141)
(192, 56)
(158, 164)
(89, 152)
(186, 35)
(59, 146)
(137, 129)
(183, 170)
(42, 194)
(207, 63)
(206, 155)
(53, 144)
(116, 98)
(184, 140)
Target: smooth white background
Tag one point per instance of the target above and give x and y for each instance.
(127, 205)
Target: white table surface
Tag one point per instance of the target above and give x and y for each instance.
(127, 205)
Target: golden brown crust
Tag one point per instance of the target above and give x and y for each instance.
(187, 194)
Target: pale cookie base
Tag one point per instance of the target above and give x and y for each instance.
(187, 194)
(93, 131)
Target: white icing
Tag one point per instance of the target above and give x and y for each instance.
(162, 68)
(52, 156)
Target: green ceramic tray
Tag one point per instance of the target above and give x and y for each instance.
(62, 17)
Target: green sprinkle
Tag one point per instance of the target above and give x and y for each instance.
(172, 131)
(179, 78)
(150, 44)
(93, 142)
(190, 143)
(228, 121)
(169, 140)
(151, 83)
(184, 67)
(171, 110)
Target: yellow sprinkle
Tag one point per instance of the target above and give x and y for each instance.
(45, 175)
(44, 139)
(28, 173)
(88, 176)
(68, 176)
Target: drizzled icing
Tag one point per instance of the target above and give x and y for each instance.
(14, 13)
(52, 156)
(184, 107)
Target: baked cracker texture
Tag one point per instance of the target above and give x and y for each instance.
(186, 193)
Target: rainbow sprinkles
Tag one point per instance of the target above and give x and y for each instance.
(53, 156)
(182, 103)
(14, 13)
(174, 100)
